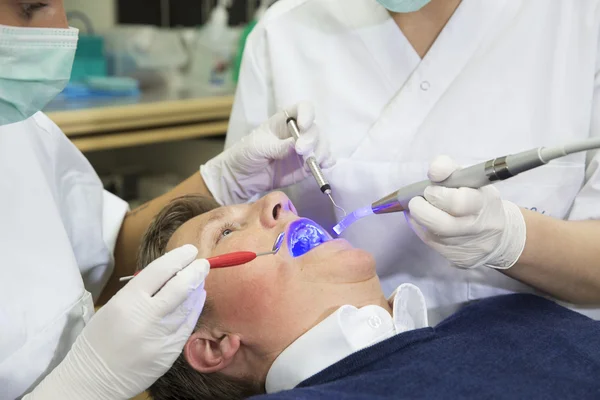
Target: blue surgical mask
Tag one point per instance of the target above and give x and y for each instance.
(403, 6)
(35, 66)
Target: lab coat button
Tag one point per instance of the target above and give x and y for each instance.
(425, 86)
(375, 322)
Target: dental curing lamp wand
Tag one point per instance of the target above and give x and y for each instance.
(231, 259)
(312, 163)
(475, 176)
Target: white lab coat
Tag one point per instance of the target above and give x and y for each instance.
(58, 229)
(503, 76)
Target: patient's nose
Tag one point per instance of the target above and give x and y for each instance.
(273, 207)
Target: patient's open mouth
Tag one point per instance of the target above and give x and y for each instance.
(304, 235)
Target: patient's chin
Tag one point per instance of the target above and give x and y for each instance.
(360, 265)
(338, 262)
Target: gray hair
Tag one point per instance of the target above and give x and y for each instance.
(182, 382)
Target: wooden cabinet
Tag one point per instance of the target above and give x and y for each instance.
(150, 119)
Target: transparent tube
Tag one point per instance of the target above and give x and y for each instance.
(352, 218)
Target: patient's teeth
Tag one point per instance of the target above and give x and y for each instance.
(306, 237)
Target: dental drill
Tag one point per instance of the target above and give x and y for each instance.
(312, 163)
(476, 176)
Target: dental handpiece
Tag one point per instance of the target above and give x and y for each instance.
(476, 176)
(482, 174)
(311, 161)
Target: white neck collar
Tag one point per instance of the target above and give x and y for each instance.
(343, 333)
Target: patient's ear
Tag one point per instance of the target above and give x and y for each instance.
(207, 353)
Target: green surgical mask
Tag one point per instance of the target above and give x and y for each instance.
(403, 6)
(35, 66)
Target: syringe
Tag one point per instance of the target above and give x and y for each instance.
(312, 163)
(475, 176)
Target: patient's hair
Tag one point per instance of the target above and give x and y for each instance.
(182, 382)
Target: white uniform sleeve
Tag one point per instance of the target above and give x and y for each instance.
(91, 216)
(96, 275)
(254, 102)
(587, 202)
(114, 210)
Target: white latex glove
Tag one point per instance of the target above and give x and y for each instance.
(136, 337)
(469, 227)
(267, 158)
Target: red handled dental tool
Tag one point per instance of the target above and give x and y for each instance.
(232, 259)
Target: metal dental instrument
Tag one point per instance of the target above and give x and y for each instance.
(243, 257)
(475, 176)
(312, 163)
(232, 259)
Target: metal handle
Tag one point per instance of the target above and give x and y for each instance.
(318, 174)
(310, 161)
(293, 125)
(473, 177)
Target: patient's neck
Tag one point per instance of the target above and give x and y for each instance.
(359, 295)
(377, 300)
(366, 293)
(369, 293)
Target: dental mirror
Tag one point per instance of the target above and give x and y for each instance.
(276, 246)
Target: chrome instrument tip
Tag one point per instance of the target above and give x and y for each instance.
(278, 242)
(335, 205)
(276, 246)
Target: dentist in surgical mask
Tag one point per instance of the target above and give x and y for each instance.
(397, 83)
(58, 230)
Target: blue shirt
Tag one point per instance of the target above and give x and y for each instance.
(515, 346)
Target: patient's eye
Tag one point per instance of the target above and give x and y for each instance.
(224, 231)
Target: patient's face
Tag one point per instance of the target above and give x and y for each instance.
(276, 298)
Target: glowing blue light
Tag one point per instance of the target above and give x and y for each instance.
(352, 218)
(304, 235)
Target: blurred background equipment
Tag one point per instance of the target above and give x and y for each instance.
(89, 76)
(151, 55)
(180, 13)
(89, 58)
(212, 48)
(152, 87)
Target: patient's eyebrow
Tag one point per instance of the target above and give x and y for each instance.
(217, 216)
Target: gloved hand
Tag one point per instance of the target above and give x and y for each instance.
(136, 337)
(469, 227)
(267, 158)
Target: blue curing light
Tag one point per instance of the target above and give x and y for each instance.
(304, 235)
(352, 218)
